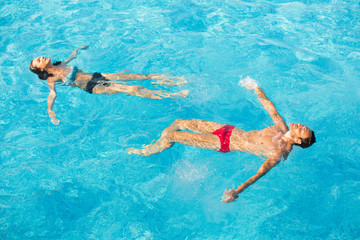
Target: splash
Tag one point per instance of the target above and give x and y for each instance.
(249, 83)
(190, 172)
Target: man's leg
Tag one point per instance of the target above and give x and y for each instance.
(160, 145)
(150, 149)
(172, 135)
(198, 126)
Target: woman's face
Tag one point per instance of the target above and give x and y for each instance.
(41, 62)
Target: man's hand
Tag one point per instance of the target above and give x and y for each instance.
(230, 196)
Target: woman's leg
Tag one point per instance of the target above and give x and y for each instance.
(158, 94)
(137, 91)
(161, 79)
(122, 76)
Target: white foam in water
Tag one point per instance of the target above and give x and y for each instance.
(249, 83)
(190, 172)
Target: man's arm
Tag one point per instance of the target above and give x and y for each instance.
(74, 54)
(50, 103)
(270, 107)
(232, 194)
(251, 84)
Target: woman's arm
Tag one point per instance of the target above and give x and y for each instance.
(50, 103)
(232, 194)
(74, 54)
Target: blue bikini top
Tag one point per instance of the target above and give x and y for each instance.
(70, 78)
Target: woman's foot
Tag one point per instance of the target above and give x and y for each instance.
(135, 151)
(158, 94)
(181, 94)
(163, 80)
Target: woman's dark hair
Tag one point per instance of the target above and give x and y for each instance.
(307, 142)
(43, 75)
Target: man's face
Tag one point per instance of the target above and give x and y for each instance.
(299, 131)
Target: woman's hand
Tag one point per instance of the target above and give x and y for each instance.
(230, 196)
(83, 47)
(55, 121)
(74, 54)
(53, 118)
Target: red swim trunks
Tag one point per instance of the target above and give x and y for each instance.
(224, 134)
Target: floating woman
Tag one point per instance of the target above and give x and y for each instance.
(98, 83)
(274, 142)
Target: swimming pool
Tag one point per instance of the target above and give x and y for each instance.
(76, 181)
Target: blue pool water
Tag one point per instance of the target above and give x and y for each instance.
(76, 181)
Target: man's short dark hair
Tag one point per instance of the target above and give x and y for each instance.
(305, 143)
